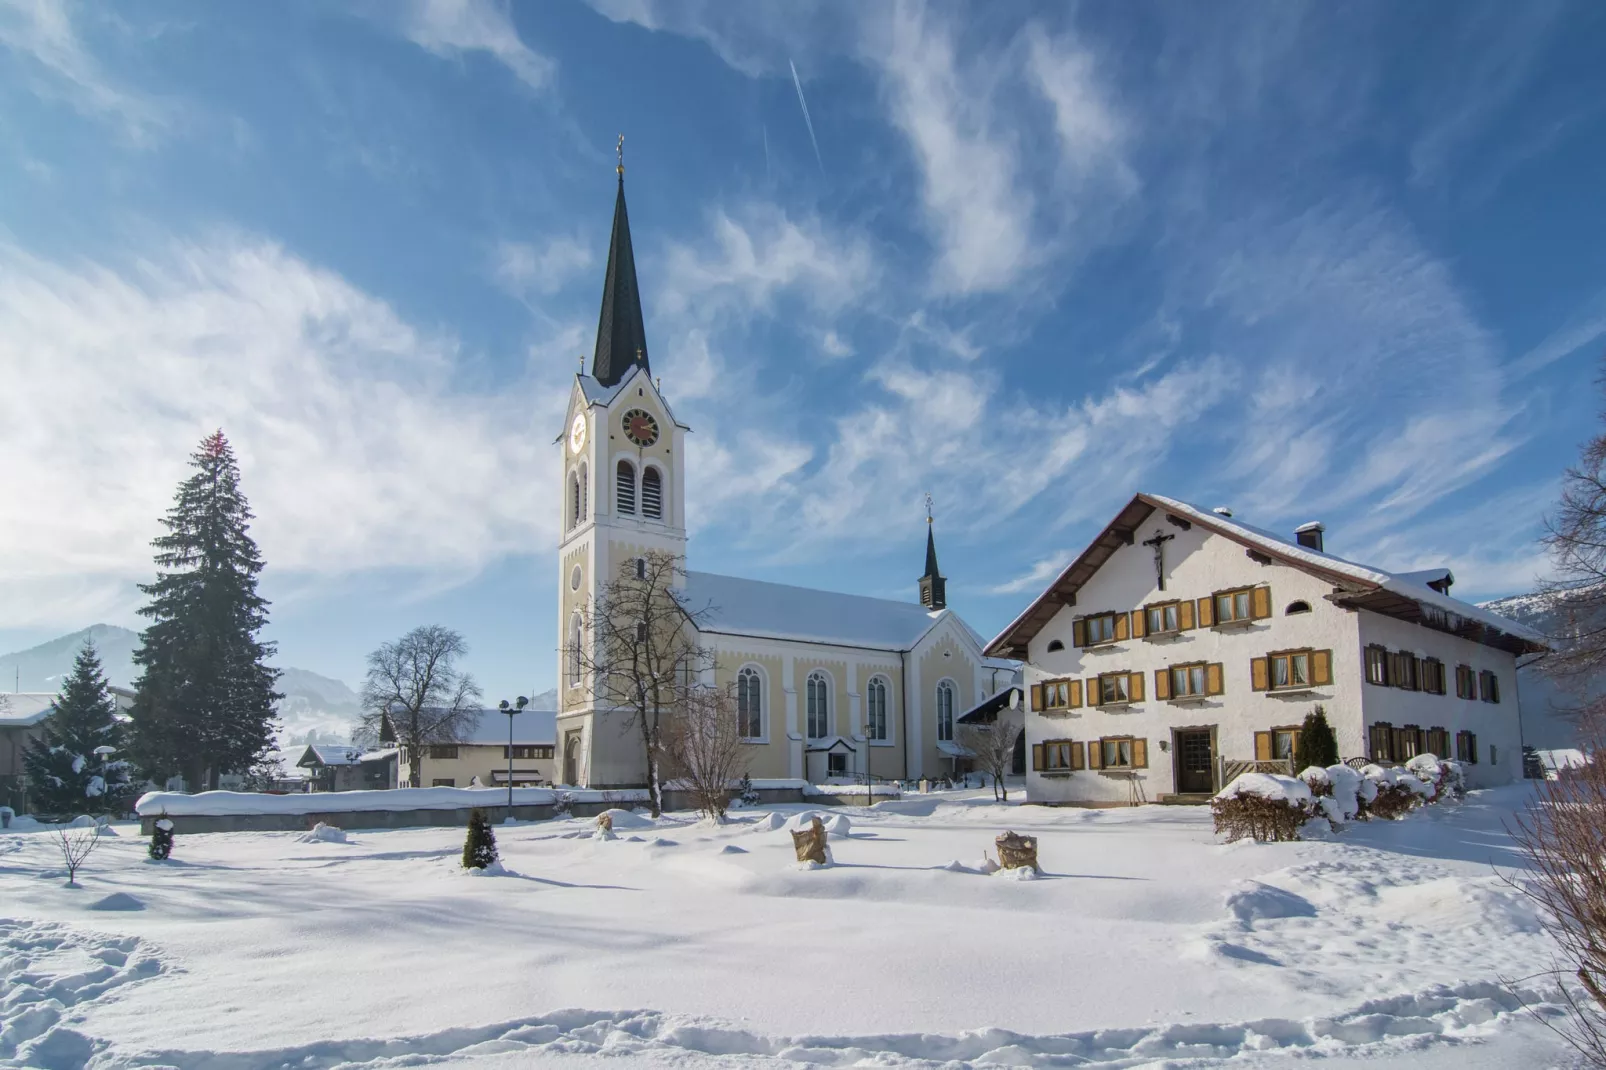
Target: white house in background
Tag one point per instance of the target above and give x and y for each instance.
(1183, 641)
(484, 753)
(828, 684)
(333, 767)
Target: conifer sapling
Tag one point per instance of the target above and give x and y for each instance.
(479, 849)
(162, 838)
(1317, 744)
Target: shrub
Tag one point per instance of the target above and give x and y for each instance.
(1264, 806)
(746, 794)
(479, 849)
(1392, 802)
(1317, 780)
(563, 804)
(162, 837)
(1317, 745)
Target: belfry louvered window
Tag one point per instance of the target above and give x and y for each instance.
(625, 488)
(652, 494)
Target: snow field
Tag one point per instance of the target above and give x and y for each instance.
(1145, 940)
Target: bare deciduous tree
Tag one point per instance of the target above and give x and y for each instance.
(639, 653)
(1563, 836)
(414, 684)
(704, 744)
(1576, 539)
(75, 845)
(993, 746)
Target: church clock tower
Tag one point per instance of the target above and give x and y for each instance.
(623, 497)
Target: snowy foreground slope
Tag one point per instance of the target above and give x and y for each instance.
(1145, 943)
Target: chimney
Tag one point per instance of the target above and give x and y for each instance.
(1310, 535)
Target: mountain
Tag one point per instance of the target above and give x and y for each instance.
(315, 709)
(1542, 701)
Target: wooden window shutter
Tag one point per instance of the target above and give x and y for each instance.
(1262, 746)
(1472, 747)
(1260, 674)
(1207, 611)
(1134, 687)
(1095, 694)
(1037, 757)
(1185, 616)
(1139, 622)
(1321, 666)
(1140, 754)
(1095, 754)
(1076, 693)
(1121, 621)
(1213, 679)
(1076, 757)
(1037, 696)
(1260, 603)
(1162, 683)
(1079, 633)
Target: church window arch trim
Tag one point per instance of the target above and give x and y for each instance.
(947, 693)
(752, 693)
(585, 493)
(817, 704)
(573, 501)
(877, 721)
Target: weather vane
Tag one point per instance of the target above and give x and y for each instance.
(928, 506)
(620, 149)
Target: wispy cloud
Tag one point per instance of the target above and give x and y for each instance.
(44, 35)
(359, 449)
(524, 267)
(450, 28)
(808, 122)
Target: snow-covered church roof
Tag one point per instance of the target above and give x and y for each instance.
(779, 611)
(24, 709)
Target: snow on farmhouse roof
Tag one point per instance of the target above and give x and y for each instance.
(24, 709)
(1406, 595)
(778, 611)
(327, 754)
(529, 726)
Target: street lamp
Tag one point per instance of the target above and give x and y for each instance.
(511, 711)
(104, 754)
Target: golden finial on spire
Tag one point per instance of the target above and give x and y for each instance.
(928, 507)
(620, 149)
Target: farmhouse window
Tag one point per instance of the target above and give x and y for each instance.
(1164, 618)
(1057, 695)
(1099, 629)
(1488, 686)
(1057, 756)
(443, 750)
(1377, 666)
(1381, 738)
(1466, 682)
(1466, 747)
(1119, 752)
(1433, 676)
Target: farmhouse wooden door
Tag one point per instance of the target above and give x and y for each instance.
(1194, 760)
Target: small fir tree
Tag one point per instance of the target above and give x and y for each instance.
(162, 838)
(479, 849)
(65, 775)
(204, 703)
(1317, 744)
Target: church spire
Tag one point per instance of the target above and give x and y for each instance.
(933, 587)
(621, 334)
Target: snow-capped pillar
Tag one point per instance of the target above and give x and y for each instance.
(794, 739)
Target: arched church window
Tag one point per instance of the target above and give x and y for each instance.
(652, 494)
(819, 705)
(750, 704)
(875, 712)
(625, 488)
(574, 499)
(641, 568)
(945, 712)
(585, 491)
(573, 653)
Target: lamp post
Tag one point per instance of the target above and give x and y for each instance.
(512, 711)
(104, 753)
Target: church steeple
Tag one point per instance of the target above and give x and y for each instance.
(621, 334)
(933, 587)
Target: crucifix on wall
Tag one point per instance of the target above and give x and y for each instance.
(1158, 542)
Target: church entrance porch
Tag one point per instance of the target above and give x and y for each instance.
(828, 758)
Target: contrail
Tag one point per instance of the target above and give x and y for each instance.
(806, 120)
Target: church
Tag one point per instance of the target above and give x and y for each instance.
(828, 685)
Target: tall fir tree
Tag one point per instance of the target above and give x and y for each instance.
(65, 775)
(204, 703)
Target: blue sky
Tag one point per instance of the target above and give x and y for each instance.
(1309, 261)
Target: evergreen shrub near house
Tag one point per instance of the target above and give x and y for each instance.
(479, 849)
(161, 838)
(746, 794)
(1317, 745)
(65, 775)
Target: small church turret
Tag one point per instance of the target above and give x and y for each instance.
(933, 587)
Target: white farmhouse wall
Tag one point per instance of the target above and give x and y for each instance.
(1196, 565)
(1496, 724)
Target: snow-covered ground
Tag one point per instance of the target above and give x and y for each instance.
(1145, 942)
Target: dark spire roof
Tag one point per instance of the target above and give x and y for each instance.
(933, 587)
(621, 335)
(931, 551)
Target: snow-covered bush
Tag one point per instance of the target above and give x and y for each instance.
(1317, 780)
(1447, 778)
(1395, 794)
(479, 848)
(562, 804)
(1265, 806)
(162, 838)
(1345, 789)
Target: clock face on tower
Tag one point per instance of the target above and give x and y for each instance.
(577, 432)
(641, 428)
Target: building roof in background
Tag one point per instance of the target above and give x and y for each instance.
(529, 727)
(779, 611)
(1406, 596)
(24, 709)
(330, 754)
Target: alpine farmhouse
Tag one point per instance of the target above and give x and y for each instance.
(828, 685)
(1182, 645)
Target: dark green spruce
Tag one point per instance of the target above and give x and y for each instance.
(479, 846)
(204, 702)
(65, 775)
(1317, 745)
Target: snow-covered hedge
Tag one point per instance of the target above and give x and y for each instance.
(1267, 806)
(229, 803)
